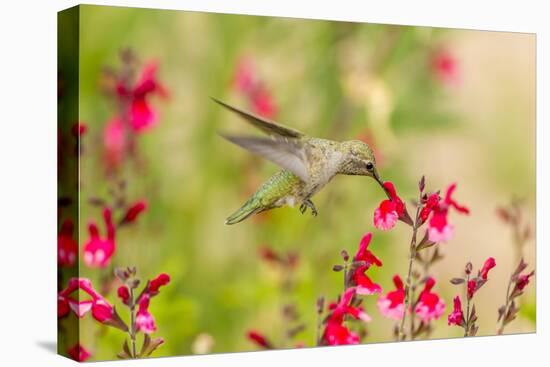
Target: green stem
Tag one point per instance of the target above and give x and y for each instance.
(132, 330)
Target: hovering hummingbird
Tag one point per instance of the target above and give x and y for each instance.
(307, 163)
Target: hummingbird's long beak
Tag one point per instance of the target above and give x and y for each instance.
(380, 182)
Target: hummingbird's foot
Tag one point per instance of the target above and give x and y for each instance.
(308, 204)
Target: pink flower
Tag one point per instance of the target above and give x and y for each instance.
(67, 247)
(392, 304)
(364, 284)
(259, 339)
(98, 251)
(155, 284)
(456, 317)
(446, 67)
(430, 306)
(78, 353)
(124, 294)
(489, 264)
(114, 142)
(247, 82)
(134, 211)
(523, 280)
(389, 210)
(144, 320)
(439, 230)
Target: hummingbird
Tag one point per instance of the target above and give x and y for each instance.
(307, 164)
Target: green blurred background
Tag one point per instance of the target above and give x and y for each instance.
(329, 79)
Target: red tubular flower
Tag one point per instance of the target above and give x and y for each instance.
(155, 284)
(114, 142)
(259, 339)
(99, 251)
(523, 280)
(389, 210)
(430, 306)
(364, 284)
(78, 353)
(67, 247)
(124, 294)
(392, 305)
(439, 230)
(268, 254)
(488, 265)
(246, 81)
(134, 211)
(144, 320)
(456, 317)
(335, 332)
(102, 311)
(471, 288)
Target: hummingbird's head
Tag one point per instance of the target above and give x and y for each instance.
(359, 160)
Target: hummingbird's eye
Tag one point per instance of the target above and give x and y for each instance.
(370, 166)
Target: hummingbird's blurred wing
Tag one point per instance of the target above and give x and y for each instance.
(268, 127)
(287, 153)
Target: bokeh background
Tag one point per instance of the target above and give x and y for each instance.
(454, 105)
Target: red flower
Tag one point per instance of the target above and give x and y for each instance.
(456, 317)
(429, 306)
(124, 294)
(246, 81)
(471, 288)
(161, 280)
(67, 247)
(144, 320)
(364, 285)
(102, 311)
(392, 304)
(335, 332)
(259, 339)
(134, 211)
(343, 308)
(446, 67)
(489, 264)
(98, 251)
(338, 334)
(523, 280)
(268, 254)
(141, 114)
(439, 230)
(389, 210)
(78, 353)
(114, 142)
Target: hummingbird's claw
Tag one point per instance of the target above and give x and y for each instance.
(308, 204)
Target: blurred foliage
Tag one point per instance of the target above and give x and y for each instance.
(330, 79)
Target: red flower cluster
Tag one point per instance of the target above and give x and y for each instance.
(101, 310)
(439, 229)
(429, 306)
(335, 332)
(366, 259)
(392, 304)
(246, 81)
(475, 283)
(67, 247)
(456, 317)
(389, 210)
(98, 251)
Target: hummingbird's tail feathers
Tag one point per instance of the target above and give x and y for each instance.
(252, 206)
(267, 126)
